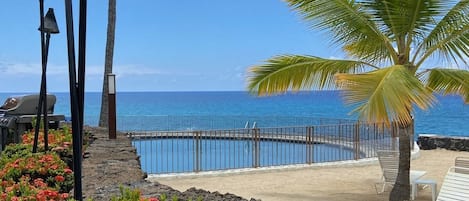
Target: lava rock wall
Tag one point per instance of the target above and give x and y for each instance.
(427, 141)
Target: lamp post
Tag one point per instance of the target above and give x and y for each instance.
(111, 78)
(77, 88)
(47, 27)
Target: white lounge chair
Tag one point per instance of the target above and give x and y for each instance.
(389, 166)
(461, 162)
(389, 162)
(455, 186)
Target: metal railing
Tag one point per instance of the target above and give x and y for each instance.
(208, 150)
(215, 122)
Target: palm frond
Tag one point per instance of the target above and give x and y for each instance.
(449, 81)
(385, 95)
(350, 25)
(449, 38)
(297, 72)
(403, 17)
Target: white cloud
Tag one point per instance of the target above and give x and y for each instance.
(17, 69)
(25, 69)
(131, 77)
(335, 58)
(135, 70)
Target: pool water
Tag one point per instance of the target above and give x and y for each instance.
(178, 155)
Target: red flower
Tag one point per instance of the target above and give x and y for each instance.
(67, 170)
(54, 166)
(39, 182)
(64, 196)
(153, 199)
(59, 178)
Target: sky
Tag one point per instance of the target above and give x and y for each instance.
(160, 45)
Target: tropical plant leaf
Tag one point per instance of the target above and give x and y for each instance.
(405, 21)
(351, 26)
(403, 17)
(449, 81)
(450, 36)
(297, 72)
(385, 95)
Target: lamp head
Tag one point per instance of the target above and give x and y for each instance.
(50, 24)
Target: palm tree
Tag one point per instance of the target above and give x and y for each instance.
(111, 32)
(390, 45)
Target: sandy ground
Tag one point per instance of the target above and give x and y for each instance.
(325, 183)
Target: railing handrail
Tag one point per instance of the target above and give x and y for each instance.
(263, 146)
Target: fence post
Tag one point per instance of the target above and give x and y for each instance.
(255, 147)
(309, 145)
(312, 144)
(356, 141)
(197, 151)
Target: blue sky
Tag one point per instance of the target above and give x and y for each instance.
(186, 45)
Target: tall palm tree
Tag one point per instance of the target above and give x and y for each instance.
(111, 32)
(390, 45)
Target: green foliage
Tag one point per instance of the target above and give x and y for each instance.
(163, 197)
(449, 81)
(391, 91)
(200, 198)
(34, 122)
(35, 176)
(296, 72)
(48, 167)
(393, 39)
(127, 194)
(13, 152)
(376, 35)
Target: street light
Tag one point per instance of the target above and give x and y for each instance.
(111, 78)
(48, 26)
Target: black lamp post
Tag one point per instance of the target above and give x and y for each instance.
(77, 88)
(48, 26)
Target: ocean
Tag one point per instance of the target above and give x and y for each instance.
(199, 110)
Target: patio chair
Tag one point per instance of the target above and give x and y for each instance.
(461, 162)
(389, 163)
(389, 166)
(455, 186)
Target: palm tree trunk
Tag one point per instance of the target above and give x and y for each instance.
(401, 189)
(111, 32)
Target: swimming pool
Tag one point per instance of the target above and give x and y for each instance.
(178, 155)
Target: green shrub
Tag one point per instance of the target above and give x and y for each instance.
(128, 194)
(13, 152)
(48, 167)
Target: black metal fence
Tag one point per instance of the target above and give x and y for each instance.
(223, 149)
(214, 122)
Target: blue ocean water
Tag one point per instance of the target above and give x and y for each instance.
(147, 110)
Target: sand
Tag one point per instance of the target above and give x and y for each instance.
(324, 183)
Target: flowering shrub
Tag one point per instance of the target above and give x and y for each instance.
(46, 168)
(13, 152)
(57, 139)
(44, 176)
(27, 190)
